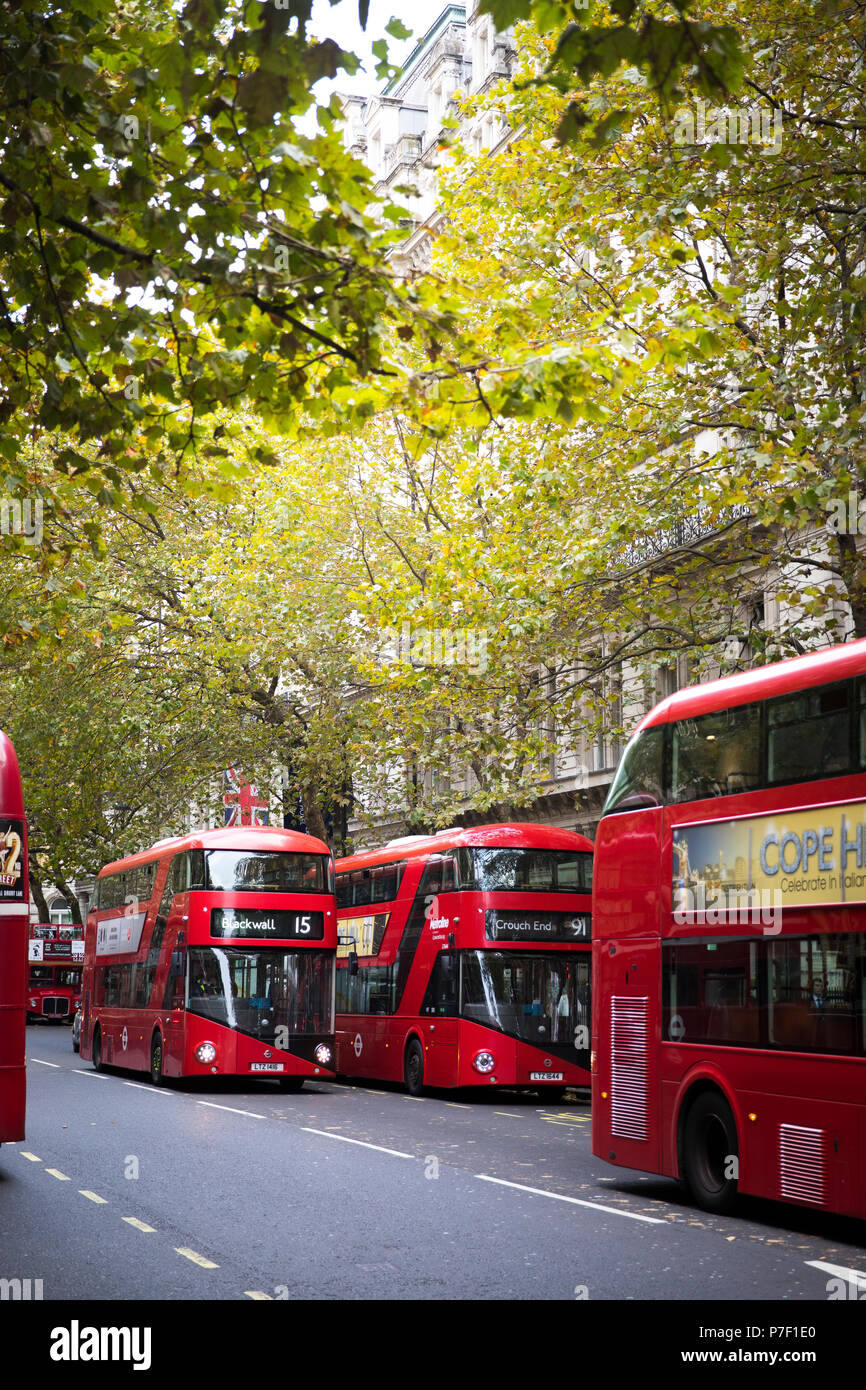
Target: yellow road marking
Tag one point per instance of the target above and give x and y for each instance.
(254, 1293)
(139, 1225)
(56, 1173)
(195, 1257)
(93, 1196)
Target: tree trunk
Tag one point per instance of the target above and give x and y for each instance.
(853, 565)
(71, 900)
(313, 818)
(39, 898)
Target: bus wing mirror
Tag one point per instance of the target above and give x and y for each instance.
(353, 962)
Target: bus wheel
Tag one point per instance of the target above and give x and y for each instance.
(413, 1068)
(291, 1084)
(710, 1153)
(96, 1051)
(157, 1074)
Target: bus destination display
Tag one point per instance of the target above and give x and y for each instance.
(260, 924)
(502, 925)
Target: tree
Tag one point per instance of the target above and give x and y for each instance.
(714, 287)
(174, 235)
(657, 38)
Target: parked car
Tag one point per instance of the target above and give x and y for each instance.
(76, 1031)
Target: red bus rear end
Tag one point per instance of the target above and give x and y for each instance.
(465, 959)
(55, 963)
(213, 955)
(14, 920)
(729, 990)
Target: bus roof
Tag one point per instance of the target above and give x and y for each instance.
(780, 678)
(243, 837)
(507, 835)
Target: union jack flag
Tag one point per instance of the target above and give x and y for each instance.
(243, 805)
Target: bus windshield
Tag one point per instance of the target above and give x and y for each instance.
(258, 992)
(538, 998)
(525, 870)
(265, 871)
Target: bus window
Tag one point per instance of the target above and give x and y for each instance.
(807, 734)
(716, 754)
(640, 773)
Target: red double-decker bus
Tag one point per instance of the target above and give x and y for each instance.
(729, 915)
(213, 955)
(14, 921)
(464, 959)
(55, 962)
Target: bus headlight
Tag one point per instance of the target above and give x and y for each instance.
(323, 1054)
(33, 1003)
(484, 1062)
(206, 1053)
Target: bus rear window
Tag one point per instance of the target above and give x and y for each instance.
(266, 871)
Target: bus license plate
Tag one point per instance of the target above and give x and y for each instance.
(267, 1066)
(546, 1076)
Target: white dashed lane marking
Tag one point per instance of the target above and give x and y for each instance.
(213, 1106)
(575, 1201)
(395, 1153)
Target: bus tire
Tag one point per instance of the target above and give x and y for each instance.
(710, 1153)
(413, 1068)
(157, 1059)
(96, 1051)
(290, 1084)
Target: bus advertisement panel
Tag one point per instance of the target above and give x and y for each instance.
(213, 955)
(729, 989)
(55, 960)
(14, 922)
(464, 959)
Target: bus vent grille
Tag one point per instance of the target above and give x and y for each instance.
(628, 1067)
(802, 1164)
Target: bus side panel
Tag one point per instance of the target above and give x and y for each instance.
(388, 1033)
(801, 1150)
(626, 898)
(439, 1037)
(13, 975)
(625, 1097)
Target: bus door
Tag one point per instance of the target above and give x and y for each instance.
(174, 1003)
(439, 1022)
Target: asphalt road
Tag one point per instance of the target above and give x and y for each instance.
(346, 1192)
